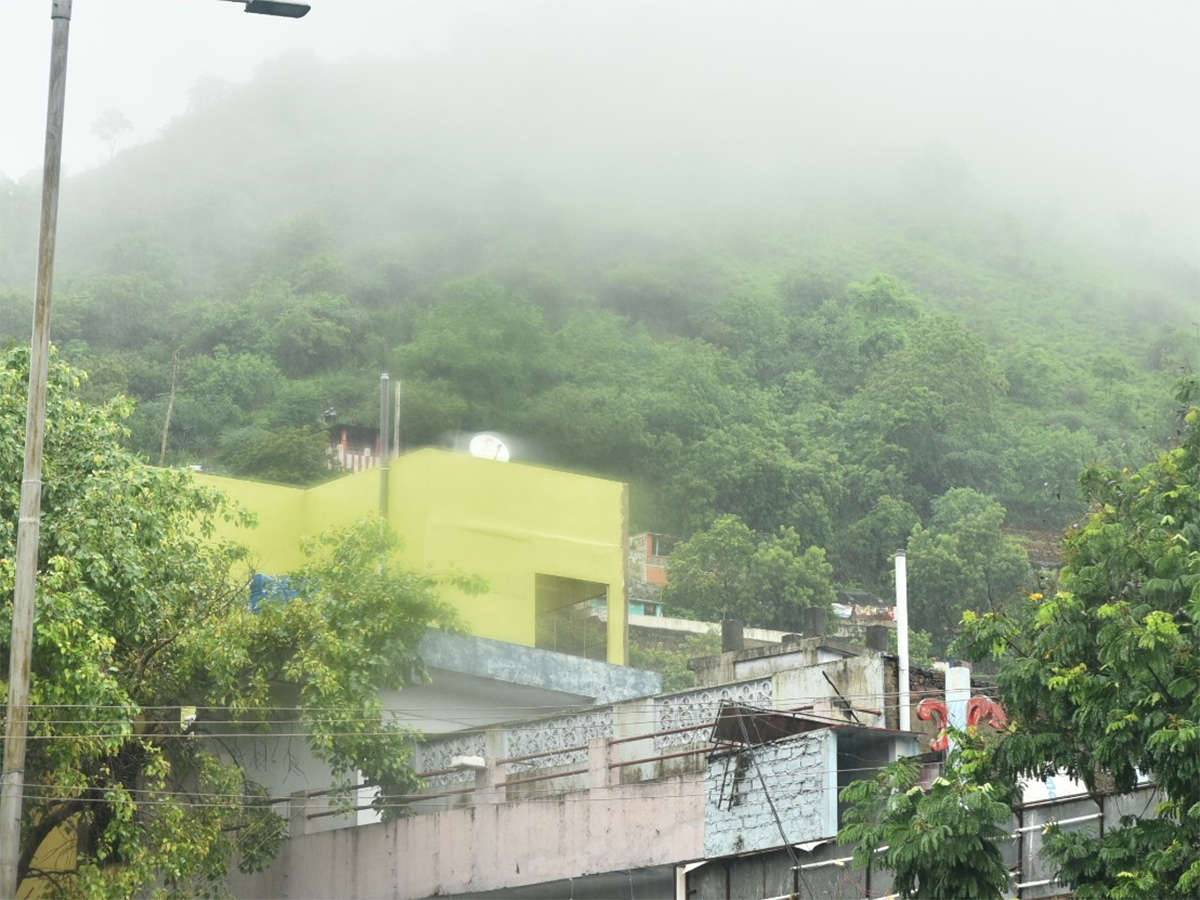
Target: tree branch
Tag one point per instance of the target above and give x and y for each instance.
(57, 816)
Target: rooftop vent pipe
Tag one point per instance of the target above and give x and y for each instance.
(384, 452)
(731, 635)
(902, 639)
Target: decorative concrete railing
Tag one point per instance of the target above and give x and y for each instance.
(680, 718)
(634, 741)
(598, 763)
(560, 741)
(577, 751)
(433, 758)
(638, 740)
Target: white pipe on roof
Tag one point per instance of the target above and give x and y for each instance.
(902, 639)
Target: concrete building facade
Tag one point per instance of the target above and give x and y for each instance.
(723, 792)
(548, 543)
(596, 799)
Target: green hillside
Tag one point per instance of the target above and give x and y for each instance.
(821, 354)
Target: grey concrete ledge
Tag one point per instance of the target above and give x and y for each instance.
(598, 682)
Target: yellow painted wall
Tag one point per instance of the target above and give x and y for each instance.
(506, 522)
(56, 853)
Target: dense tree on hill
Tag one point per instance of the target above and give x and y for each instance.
(735, 362)
(285, 455)
(962, 561)
(596, 428)
(749, 474)
(932, 398)
(729, 572)
(751, 327)
(861, 550)
(492, 348)
(1038, 470)
(849, 336)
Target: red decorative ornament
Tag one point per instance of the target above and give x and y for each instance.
(930, 708)
(985, 709)
(979, 710)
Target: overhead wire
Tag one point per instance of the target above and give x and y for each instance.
(404, 716)
(798, 873)
(205, 729)
(198, 800)
(68, 792)
(473, 707)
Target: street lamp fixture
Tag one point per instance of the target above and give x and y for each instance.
(273, 8)
(16, 724)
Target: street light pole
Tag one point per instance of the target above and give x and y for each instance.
(16, 723)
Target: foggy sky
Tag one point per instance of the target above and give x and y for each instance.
(1089, 105)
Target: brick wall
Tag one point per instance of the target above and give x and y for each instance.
(737, 817)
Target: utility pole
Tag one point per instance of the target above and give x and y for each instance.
(16, 725)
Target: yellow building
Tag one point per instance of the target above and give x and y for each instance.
(549, 544)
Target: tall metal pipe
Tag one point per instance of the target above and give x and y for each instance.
(905, 699)
(385, 392)
(958, 694)
(16, 729)
(396, 419)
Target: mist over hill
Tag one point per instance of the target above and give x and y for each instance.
(668, 114)
(589, 154)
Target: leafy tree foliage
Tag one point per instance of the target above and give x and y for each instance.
(591, 426)
(696, 360)
(673, 664)
(931, 398)
(751, 327)
(141, 616)
(741, 471)
(962, 561)
(126, 311)
(728, 572)
(285, 455)
(691, 389)
(662, 294)
(313, 333)
(1102, 680)
(492, 348)
(941, 841)
(1039, 470)
(860, 552)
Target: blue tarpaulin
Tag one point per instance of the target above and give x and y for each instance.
(269, 587)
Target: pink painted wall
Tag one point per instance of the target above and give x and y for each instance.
(492, 846)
